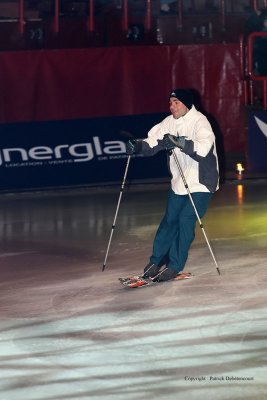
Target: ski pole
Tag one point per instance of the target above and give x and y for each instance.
(196, 212)
(116, 213)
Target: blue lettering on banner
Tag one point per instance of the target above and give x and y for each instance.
(77, 152)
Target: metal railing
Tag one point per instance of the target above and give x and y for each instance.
(91, 17)
(249, 74)
(223, 6)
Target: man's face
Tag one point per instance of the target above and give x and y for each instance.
(177, 108)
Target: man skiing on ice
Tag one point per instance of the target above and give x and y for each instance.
(188, 133)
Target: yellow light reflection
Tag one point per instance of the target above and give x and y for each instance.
(240, 193)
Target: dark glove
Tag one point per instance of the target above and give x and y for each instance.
(171, 141)
(131, 147)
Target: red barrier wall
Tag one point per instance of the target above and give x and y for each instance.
(80, 83)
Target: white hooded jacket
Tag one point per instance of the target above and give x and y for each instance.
(198, 158)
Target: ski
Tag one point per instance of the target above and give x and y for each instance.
(137, 281)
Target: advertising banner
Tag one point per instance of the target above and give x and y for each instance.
(257, 141)
(71, 84)
(76, 152)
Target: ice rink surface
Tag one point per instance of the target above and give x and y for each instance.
(71, 332)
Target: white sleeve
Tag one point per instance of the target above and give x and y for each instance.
(156, 133)
(204, 138)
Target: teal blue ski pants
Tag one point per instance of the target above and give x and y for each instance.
(176, 231)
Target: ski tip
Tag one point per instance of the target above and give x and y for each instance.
(139, 283)
(183, 275)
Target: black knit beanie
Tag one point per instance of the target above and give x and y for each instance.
(184, 95)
